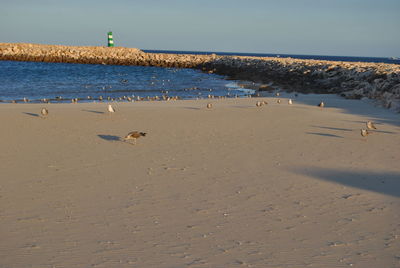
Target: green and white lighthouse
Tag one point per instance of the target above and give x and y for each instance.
(110, 40)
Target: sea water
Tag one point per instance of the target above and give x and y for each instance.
(64, 81)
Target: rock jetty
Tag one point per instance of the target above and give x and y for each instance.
(96, 55)
(376, 81)
(354, 80)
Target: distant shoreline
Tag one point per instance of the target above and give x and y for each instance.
(387, 60)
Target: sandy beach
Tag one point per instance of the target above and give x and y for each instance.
(233, 186)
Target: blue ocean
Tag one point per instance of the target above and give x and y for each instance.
(61, 82)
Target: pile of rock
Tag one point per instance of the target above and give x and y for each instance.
(68, 54)
(97, 55)
(354, 80)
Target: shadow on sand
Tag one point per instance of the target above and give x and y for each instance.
(324, 134)
(364, 108)
(92, 111)
(333, 128)
(192, 108)
(245, 106)
(109, 137)
(32, 114)
(387, 183)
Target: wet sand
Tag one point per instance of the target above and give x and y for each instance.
(234, 186)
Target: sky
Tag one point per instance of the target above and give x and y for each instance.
(309, 27)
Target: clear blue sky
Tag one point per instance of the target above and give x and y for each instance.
(319, 27)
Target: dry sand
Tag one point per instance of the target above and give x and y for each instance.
(234, 186)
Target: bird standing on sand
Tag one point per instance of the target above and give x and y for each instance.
(44, 112)
(370, 125)
(110, 109)
(364, 132)
(321, 104)
(259, 103)
(278, 101)
(209, 105)
(290, 101)
(134, 135)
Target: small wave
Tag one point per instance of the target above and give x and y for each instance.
(236, 86)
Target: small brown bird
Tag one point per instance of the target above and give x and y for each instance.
(321, 104)
(134, 135)
(370, 125)
(364, 132)
(290, 101)
(209, 105)
(265, 103)
(278, 101)
(44, 112)
(259, 103)
(110, 109)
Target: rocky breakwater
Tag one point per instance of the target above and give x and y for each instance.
(353, 80)
(97, 55)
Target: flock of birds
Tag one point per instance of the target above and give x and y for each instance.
(134, 135)
(132, 98)
(364, 132)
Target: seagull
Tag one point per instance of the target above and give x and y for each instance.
(321, 104)
(290, 101)
(259, 103)
(364, 132)
(44, 112)
(209, 105)
(110, 109)
(134, 135)
(370, 125)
